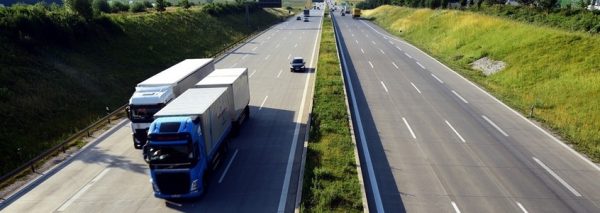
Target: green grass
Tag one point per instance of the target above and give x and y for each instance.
(331, 181)
(556, 70)
(58, 72)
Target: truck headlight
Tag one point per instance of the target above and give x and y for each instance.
(194, 186)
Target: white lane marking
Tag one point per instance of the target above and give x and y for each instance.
(300, 38)
(356, 41)
(411, 83)
(391, 42)
(420, 65)
(461, 98)
(455, 207)
(268, 37)
(244, 57)
(279, 73)
(494, 125)
(263, 103)
(451, 127)
(295, 45)
(382, 51)
(588, 161)
(438, 79)
(290, 162)
(366, 35)
(228, 165)
(251, 74)
(233, 64)
(362, 50)
(563, 182)
(373, 42)
(363, 139)
(277, 46)
(82, 190)
(371, 64)
(522, 207)
(407, 55)
(395, 65)
(397, 47)
(352, 34)
(254, 49)
(289, 56)
(385, 37)
(409, 129)
(267, 57)
(384, 87)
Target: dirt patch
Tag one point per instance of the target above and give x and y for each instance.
(488, 66)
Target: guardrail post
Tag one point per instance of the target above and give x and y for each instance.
(108, 113)
(32, 168)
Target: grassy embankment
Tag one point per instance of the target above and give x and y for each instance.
(330, 180)
(556, 70)
(58, 71)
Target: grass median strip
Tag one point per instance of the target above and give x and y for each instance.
(331, 181)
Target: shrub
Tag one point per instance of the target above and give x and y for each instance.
(100, 6)
(137, 7)
(81, 7)
(117, 6)
(160, 5)
(185, 4)
(147, 4)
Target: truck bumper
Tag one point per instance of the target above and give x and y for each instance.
(140, 137)
(179, 196)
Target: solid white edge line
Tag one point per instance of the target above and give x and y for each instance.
(263, 103)
(82, 190)
(228, 165)
(579, 155)
(290, 163)
(461, 98)
(397, 47)
(384, 87)
(521, 207)
(371, 64)
(494, 125)
(456, 132)
(455, 207)
(373, 42)
(420, 65)
(356, 41)
(363, 140)
(409, 129)
(438, 79)
(563, 182)
(395, 65)
(411, 83)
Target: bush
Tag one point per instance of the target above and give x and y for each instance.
(100, 6)
(117, 6)
(81, 7)
(185, 4)
(160, 5)
(147, 4)
(137, 7)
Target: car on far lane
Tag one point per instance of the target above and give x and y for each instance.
(305, 19)
(298, 18)
(297, 64)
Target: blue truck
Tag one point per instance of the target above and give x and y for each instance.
(187, 140)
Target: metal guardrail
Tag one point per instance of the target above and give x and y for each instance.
(31, 164)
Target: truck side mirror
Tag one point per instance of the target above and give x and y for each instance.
(127, 110)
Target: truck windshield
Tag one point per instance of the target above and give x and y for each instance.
(179, 152)
(143, 113)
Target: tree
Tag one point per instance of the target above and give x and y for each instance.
(81, 7)
(100, 6)
(185, 4)
(547, 4)
(160, 5)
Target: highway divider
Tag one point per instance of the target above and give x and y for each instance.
(331, 180)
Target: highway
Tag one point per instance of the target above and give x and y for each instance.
(260, 172)
(432, 141)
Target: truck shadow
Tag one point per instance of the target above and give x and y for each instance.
(392, 201)
(251, 176)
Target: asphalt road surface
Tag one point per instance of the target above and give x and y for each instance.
(260, 173)
(432, 141)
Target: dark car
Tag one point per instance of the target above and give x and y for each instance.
(297, 64)
(305, 19)
(298, 18)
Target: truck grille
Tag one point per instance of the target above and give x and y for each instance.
(173, 183)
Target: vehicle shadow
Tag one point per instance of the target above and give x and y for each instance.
(391, 199)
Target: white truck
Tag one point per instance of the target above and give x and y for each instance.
(154, 93)
(236, 79)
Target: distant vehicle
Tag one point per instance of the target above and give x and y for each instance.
(154, 93)
(305, 19)
(306, 12)
(347, 11)
(187, 140)
(594, 6)
(298, 18)
(355, 13)
(343, 14)
(297, 64)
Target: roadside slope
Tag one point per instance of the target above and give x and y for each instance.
(554, 70)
